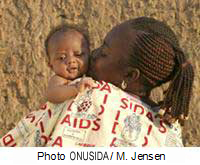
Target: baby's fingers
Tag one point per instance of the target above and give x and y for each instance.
(88, 82)
(91, 83)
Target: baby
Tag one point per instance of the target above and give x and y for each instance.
(68, 53)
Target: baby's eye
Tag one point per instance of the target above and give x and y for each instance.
(79, 54)
(62, 57)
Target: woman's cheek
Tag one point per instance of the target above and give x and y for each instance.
(99, 70)
(97, 65)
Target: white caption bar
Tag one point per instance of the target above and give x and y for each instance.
(48, 156)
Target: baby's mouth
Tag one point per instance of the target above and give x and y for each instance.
(72, 69)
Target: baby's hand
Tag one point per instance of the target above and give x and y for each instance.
(86, 82)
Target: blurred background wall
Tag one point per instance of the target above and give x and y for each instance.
(24, 25)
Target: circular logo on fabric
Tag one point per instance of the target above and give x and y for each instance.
(84, 102)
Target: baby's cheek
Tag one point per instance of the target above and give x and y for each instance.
(83, 67)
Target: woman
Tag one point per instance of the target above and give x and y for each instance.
(135, 57)
(142, 54)
(147, 54)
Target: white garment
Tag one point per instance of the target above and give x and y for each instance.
(104, 116)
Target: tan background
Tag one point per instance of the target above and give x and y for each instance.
(24, 25)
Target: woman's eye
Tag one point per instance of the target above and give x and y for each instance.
(103, 54)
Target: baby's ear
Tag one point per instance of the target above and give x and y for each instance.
(50, 65)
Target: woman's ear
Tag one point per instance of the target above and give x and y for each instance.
(135, 74)
(132, 74)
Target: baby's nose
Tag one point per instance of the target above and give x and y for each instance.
(71, 60)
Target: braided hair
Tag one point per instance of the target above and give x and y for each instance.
(159, 58)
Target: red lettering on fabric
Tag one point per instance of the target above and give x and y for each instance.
(66, 120)
(113, 142)
(145, 142)
(81, 123)
(106, 87)
(150, 116)
(84, 123)
(123, 100)
(162, 128)
(8, 139)
(101, 82)
(70, 105)
(131, 105)
(45, 138)
(96, 124)
(105, 99)
(114, 127)
(42, 127)
(140, 107)
(117, 116)
(49, 113)
(31, 116)
(102, 110)
(75, 122)
(58, 141)
(43, 106)
(97, 87)
(149, 129)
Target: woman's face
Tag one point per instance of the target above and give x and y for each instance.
(110, 59)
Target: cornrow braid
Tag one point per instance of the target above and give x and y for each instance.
(180, 89)
(158, 49)
(153, 26)
(155, 58)
(160, 62)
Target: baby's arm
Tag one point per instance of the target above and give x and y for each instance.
(58, 89)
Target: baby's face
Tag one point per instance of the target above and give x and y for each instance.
(69, 53)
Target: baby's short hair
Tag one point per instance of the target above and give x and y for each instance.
(65, 28)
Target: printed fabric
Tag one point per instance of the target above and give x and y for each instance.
(104, 116)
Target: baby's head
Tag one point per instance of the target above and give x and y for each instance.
(68, 52)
